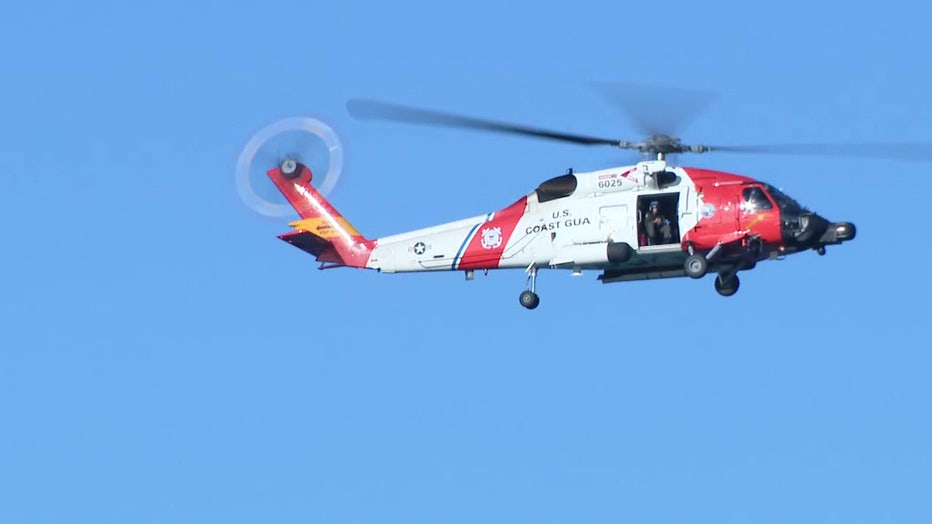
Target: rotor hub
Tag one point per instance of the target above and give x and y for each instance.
(661, 145)
(289, 167)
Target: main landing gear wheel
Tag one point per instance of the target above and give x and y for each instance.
(696, 266)
(727, 285)
(529, 299)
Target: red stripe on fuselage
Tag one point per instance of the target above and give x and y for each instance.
(486, 247)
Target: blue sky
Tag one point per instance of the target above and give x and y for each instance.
(164, 358)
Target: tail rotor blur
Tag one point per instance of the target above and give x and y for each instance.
(285, 144)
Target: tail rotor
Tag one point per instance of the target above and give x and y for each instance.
(287, 145)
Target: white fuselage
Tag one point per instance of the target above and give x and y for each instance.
(570, 231)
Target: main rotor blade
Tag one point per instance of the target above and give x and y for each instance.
(374, 110)
(913, 152)
(656, 110)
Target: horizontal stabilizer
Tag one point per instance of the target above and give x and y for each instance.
(313, 244)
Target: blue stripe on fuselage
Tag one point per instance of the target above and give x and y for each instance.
(466, 240)
(488, 217)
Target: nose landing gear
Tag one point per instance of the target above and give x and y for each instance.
(528, 297)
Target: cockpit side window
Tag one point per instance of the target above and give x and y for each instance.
(784, 201)
(559, 187)
(755, 200)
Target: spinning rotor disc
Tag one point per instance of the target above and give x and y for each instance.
(286, 144)
(656, 111)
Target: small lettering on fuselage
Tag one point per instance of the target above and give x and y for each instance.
(550, 226)
(610, 183)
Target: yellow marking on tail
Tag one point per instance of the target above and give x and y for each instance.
(323, 228)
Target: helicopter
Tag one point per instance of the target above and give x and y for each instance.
(648, 220)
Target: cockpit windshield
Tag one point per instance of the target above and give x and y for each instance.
(787, 204)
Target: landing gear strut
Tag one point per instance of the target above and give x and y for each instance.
(528, 297)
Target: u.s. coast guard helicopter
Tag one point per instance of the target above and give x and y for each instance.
(644, 221)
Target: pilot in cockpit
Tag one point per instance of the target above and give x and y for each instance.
(755, 200)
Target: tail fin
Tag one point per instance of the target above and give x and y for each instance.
(322, 230)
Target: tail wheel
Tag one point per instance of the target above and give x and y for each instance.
(727, 285)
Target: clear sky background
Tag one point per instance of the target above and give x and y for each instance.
(165, 358)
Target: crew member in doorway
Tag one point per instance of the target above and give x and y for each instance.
(657, 226)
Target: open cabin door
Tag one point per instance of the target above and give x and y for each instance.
(658, 219)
